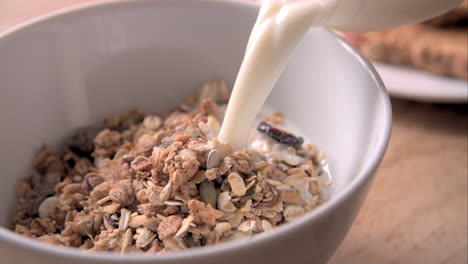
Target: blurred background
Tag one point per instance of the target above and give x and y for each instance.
(416, 211)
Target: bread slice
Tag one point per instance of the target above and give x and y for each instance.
(437, 50)
(439, 45)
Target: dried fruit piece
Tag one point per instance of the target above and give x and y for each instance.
(279, 135)
(144, 145)
(90, 181)
(114, 220)
(82, 140)
(192, 242)
(141, 163)
(100, 191)
(122, 192)
(123, 172)
(106, 143)
(222, 227)
(266, 225)
(47, 205)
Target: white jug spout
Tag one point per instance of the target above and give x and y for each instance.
(371, 15)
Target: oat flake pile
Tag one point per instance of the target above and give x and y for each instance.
(157, 183)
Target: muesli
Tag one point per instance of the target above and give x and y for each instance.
(156, 183)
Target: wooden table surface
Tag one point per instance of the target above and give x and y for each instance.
(416, 211)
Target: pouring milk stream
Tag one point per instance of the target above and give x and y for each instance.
(280, 26)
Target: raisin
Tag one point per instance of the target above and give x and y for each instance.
(279, 135)
(114, 220)
(40, 192)
(90, 181)
(81, 142)
(192, 242)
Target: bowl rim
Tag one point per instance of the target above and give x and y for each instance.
(364, 175)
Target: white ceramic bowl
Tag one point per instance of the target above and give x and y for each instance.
(79, 65)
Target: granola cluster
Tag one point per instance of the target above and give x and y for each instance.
(156, 183)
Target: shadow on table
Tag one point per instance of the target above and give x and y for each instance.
(446, 118)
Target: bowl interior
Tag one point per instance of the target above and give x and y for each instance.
(75, 69)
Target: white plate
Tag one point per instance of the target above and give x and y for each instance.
(404, 82)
